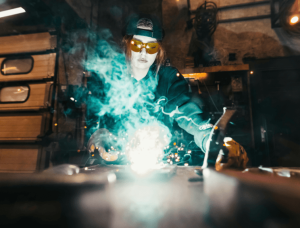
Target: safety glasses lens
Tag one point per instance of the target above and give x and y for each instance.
(136, 45)
(151, 48)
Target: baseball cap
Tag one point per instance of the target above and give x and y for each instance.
(150, 20)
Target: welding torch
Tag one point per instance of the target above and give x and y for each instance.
(223, 152)
(215, 145)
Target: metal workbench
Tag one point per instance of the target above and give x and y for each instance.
(109, 196)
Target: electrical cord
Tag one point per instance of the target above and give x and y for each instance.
(210, 97)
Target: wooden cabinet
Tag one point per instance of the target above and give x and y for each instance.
(26, 87)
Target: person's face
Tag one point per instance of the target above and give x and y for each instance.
(142, 60)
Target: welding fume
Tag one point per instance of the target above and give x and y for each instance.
(142, 97)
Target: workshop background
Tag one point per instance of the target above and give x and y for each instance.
(246, 33)
(240, 55)
(246, 58)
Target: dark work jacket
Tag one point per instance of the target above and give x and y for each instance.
(172, 98)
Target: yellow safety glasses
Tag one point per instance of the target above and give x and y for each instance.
(137, 46)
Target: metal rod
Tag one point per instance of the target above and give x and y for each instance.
(244, 5)
(250, 4)
(245, 19)
(250, 110)
(54, 102)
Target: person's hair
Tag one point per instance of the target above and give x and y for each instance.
(160, 58)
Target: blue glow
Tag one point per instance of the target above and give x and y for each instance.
(126, 101)
(145, 149)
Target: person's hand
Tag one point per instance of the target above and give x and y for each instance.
(236, 157)
(104, 144)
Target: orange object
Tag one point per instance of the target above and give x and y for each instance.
(294, 19)
(196, 76)
(237, 157)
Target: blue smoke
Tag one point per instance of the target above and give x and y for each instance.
(118, 95)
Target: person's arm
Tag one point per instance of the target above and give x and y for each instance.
(185, 110)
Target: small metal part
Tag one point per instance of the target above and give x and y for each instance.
(199, 172)
(195, 179)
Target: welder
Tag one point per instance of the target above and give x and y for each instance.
(144, 50)
(172, 100)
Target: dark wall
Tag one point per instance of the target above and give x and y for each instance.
(112, 14)
(276, 99)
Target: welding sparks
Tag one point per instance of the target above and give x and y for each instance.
(145, 149)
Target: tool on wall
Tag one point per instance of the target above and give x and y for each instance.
(204, 23)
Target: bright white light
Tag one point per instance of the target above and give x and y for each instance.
(145, 148)
(206, 172)
(11, 12)
(294, 19)
(189, 151)
(227, 139)
(111, 177)
(72, 98)
(186, 164)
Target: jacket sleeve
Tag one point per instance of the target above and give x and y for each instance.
(186, 110)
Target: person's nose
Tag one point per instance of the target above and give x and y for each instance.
(143, 52)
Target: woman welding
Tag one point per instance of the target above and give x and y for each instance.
(146, 56)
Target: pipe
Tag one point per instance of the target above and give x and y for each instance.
(250, 4)
(244, 5)
(250, 109)
(245, 19)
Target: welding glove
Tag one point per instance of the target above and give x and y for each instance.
(236, 156)
(105, 144)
